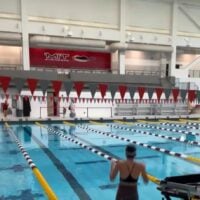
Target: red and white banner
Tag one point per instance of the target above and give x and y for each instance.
(5, 81)
(56, 58)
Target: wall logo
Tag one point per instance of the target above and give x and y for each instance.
(60, 57)
(78, 58)
(68, 59)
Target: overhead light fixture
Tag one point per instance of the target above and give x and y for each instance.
(132, 39)
(65, 29)
(187, 40)
(100, 33)
(128, 34)
(43, 28)
(70, 33)
(17, 26)
(82, 33)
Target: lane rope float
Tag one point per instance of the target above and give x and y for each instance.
(44, 184)
(162, 150)
(155, 134)
(168, 129)
(147, 122)
(123, 122)
(171, 122)
(90, 148)
(67, 123)
(191, 125)
(96, 123)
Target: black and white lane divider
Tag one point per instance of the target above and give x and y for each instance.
(169, 129)
(191, 126)
(51, 130)
(194, 124)
(70, 139)
(155, 134)
(44, 184)
(162, 150)
(21, 148)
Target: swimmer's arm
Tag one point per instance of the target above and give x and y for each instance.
(113, 170)
(144, 174)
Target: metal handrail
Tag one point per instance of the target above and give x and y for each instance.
(10, 67)
(144, 72)
(87, 109)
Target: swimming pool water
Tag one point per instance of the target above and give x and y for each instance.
(76, 173)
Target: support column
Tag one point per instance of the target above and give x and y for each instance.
(174, 37)
(163, 64)
(25, 36)
(121, 53)
(114, 62)
(173, 62)
(122, 23)
(121, 61)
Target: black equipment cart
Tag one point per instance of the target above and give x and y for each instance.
(185, 187)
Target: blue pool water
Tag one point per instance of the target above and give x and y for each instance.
(76, 173)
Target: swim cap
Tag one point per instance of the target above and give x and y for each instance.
(130, 150)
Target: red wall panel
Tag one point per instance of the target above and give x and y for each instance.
(56, 58)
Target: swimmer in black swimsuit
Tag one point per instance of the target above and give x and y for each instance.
(129, 173)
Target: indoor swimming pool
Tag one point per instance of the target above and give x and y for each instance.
(74, 158)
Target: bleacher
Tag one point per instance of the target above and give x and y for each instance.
(123, 109)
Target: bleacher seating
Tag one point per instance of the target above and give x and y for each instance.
(123, 109)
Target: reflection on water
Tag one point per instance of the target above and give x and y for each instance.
(72, 130)
(53, 139)
(27, 137)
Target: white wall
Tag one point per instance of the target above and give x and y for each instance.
(185, 24)
(144, 21)
(149, 21)
(152, 14)
(77, 10)
(10, 6)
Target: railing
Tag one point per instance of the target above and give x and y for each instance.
(81, 111)
(67, 71)
(151, 109)
(144, 72)
(92, 71)
(194, 73)
(186, 85)
(11, 67)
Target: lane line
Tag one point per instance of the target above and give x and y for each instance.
(171, 121)
(44, 184)
(194, 126)
(68, 176)
(97, 123)
(155, 134)
(147, 122)
(169, 129)
(171, 153)
(68, 123)
(152, 178)
(123, 122)
(92, 149)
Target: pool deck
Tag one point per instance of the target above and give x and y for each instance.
(135, 117)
